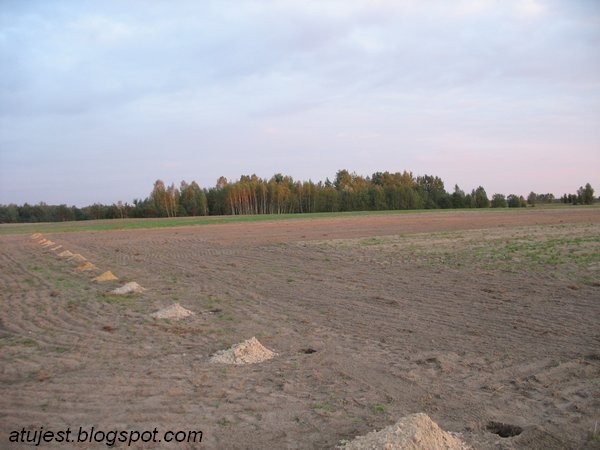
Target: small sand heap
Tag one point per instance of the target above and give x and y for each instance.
(78, 257)
(85, 266)
(56, 248)
(48, 243)
(175, 311)
(128, 288)
(247, 352)
(65, 254)
(106, 276)
(36, 235)
(413, 432)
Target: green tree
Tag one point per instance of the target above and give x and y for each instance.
(586, 194)
(353, 191)
(193, 199)
(377, 198)
(480, 198)
(573, 199)
(97, 211)
(158, 199)
(280, 189)
(458, 198)
(329, 199)
(498, 201)
(172, 201)
(432, 191)
(515, 201)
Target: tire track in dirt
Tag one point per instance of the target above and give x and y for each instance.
(118, 386)
(242, 292)
(392, 335)
(190, 253)
(44, 307)
(498, 316)
(492, 317)
(52, 332)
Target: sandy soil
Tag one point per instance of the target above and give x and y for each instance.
(366, 330)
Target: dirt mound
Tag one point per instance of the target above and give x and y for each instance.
(65, 254)
(106, 276)
(175, 311)
(36, 235)
(85, 266)
(56, 248)
(414, 432)
(78, 257)
(128, 288)
(48, 243)
(247, 352)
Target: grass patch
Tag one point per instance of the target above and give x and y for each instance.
(569, 252)
(128, 224)
(113, 299)
(225, 316)
(77, 301)
(378, 408)
(373, 241)
(323, 407)
(18, 341)
(594, 435)
(212, 301)
(572, 256)
(28, 342)
(580, 250)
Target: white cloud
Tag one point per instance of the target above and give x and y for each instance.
(103, 30)
(529, 9)
(473, 7)
(248, 85)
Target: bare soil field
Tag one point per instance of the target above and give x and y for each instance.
(476, 318)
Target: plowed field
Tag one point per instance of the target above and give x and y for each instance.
(472, 317)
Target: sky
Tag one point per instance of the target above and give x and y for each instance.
(98, 99)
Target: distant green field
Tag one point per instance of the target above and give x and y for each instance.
(128, 224)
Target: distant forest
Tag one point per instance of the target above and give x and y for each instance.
(282, 194)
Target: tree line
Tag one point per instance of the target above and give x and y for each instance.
(282, 194)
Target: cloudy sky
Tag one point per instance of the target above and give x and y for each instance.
(100, 98)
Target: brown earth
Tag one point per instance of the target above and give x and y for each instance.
(106, 276)
(174, 311)
(372, 318)
(413, 432)
(248, 352)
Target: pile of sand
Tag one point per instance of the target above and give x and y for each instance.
(56, 248)
(247, 352)
(78, 257)
(48, 243)
(85, 266)
(175, 311)
(128, 288)
(36, 235)
(65, 254)
(413, 432)
(106, 276)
